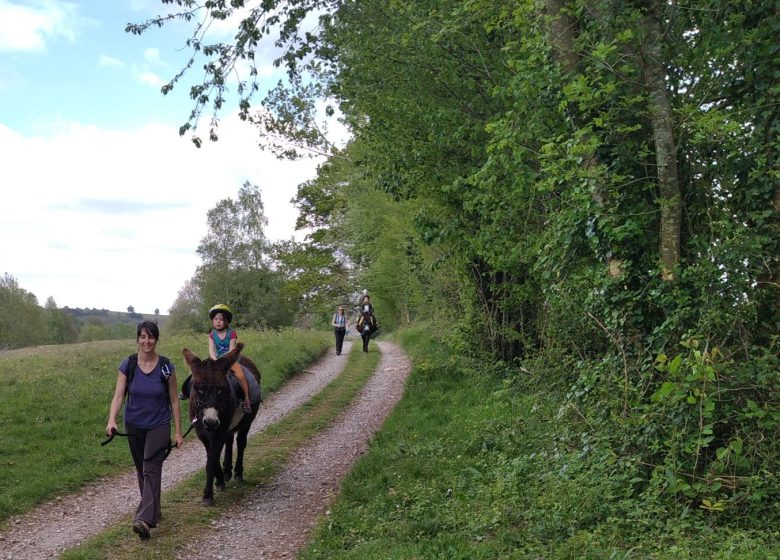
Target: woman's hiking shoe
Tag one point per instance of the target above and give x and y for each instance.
(247, 406)
(142, 530)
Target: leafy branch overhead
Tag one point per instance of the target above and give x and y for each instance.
(288, 119)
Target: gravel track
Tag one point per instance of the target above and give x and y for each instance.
(280, 514)
(276, 520)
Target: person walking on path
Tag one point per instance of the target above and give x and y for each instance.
(340, 325)
(149, 382)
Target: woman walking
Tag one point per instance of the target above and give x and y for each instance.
(149, 382)
(340, 325)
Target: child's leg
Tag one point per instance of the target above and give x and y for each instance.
(238, 371)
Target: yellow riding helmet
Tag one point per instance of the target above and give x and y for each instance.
(221, 308)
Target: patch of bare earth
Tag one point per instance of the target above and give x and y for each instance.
(276, 520)
(281, 514)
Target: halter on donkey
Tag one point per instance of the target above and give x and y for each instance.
(215, 403)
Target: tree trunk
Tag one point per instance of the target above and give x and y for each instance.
(562, 34)
(670, 198)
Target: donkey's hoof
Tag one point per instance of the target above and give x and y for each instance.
(239, 478)
(208, 502)
(220, 487)
(228, 476)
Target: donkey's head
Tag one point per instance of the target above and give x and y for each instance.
(211, 400)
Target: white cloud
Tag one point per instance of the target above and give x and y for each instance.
(92, 206)
(143, 72)
(152, 55)
(149, 78)
(105, 60)
(27, 26)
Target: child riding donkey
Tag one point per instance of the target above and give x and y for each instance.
(222, 339)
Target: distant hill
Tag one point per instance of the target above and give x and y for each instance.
(104, 317)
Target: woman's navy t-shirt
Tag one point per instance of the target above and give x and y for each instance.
(148, 404)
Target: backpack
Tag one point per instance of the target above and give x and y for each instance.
(132, 363)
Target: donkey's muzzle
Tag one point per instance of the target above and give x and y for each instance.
(210, 418)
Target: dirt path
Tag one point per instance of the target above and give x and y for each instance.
(276, 521)
(64, 522)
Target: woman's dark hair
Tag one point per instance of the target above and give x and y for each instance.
(150, 327)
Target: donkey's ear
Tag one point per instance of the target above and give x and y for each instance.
(191, 359)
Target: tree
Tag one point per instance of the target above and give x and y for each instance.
(236, 235)
(21, 318)
(188, 310)
(235, 269)
(61, 328)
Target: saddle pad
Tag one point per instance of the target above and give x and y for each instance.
(255, 393)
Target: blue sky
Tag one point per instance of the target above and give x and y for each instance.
(104, 204)
(73, 61)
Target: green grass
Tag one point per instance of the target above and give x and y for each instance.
(55, 403)
(473, 466)
(187, 519)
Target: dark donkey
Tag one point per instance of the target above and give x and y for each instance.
(367, 326)
(215, 402)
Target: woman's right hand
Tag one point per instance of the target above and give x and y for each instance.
(111, 428)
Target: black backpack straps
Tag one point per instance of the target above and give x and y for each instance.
(132, 363)
(165, 368)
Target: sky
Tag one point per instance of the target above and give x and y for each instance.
(103, 203)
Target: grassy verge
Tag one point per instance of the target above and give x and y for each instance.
(473, 466)
(55, 403)
(186, 519)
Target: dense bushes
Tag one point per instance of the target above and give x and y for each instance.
(507, 461)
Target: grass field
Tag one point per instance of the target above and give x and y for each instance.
(55, 399)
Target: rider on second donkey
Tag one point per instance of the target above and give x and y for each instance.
(366, 323)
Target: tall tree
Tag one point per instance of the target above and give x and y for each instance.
(60, 326)
(235, 240)
(21, 318)
(188, 310)
(670, 197)
(235, 268)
